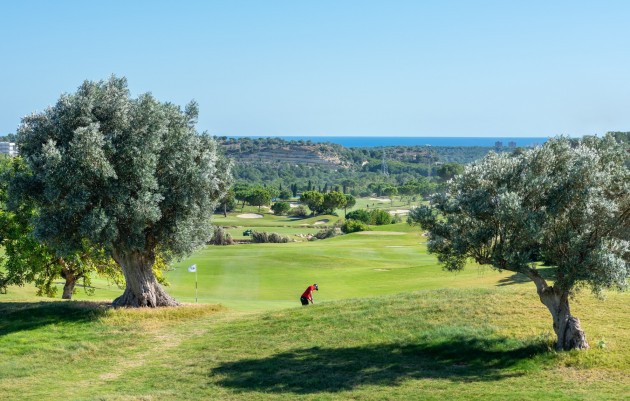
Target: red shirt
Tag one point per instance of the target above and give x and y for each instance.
(308, 293)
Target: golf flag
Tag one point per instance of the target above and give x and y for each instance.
(192, 268)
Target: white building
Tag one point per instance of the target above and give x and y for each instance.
(8, 148)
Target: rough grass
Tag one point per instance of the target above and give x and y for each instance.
(457, 344)
(388, 324)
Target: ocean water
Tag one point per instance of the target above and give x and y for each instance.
(374, 141)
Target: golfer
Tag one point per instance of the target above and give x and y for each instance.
(308, 294)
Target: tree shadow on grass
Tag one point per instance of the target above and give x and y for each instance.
(548, 273)
(314, 370)
(21, 316)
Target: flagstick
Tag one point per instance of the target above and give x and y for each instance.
(195, 285)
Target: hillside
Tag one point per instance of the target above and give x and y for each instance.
(307, 153)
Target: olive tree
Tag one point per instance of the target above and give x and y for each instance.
(130, 175)
(567, 203)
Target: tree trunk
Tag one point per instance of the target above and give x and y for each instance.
(142, 289)
(68, 288)
(568, 331)
(71, 279)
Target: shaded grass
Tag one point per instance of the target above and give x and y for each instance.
(456, 344)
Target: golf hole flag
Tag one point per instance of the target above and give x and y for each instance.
(192, 268)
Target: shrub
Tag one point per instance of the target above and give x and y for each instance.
(353, 226)
(299, 211)
(380, 217)
(265, 238)
(325, 233)
(280, 208)
(360, 215)
(221, 237)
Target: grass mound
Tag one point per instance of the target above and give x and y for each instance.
(456, 344)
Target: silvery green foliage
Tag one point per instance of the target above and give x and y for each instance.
(566, 203)
(128, 174)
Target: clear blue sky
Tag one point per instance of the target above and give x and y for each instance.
(383, 68)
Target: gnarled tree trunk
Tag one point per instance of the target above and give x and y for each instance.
(68, 288)
(142, 289)
(568, 331)
(71, 279)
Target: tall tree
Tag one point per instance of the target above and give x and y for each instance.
(312, 199)
(259, 197)
(333, 200)
(350, 202)
(566, 202)
(130, 175)
(390, 192)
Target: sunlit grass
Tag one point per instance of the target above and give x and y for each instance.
(388, 323)
(436, 344)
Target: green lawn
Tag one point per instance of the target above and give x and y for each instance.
(388, 323)
(459, 344)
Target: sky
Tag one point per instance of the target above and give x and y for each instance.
(333, 68)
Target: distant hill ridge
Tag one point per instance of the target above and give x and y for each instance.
(325, 154)
(275, 150)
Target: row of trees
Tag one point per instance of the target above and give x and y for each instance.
(326, 203)
(296, 179)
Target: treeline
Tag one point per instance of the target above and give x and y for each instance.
(359, 172)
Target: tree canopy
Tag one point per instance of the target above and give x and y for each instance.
(567, 203)
(131, 175)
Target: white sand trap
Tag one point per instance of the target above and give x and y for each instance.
(321, 222)
(381, 199)
(381, 233)
(399, 211)
(250, 216)
(381, 270)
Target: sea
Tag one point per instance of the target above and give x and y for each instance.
(377, 141)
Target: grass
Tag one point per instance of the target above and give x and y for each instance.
(388, 323)
(435, 344)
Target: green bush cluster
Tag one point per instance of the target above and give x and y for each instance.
(353, 226)
(376, 217)
(280, 208)
(299, 211)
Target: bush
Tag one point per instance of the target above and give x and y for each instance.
(360, 215)
(299, 211)
(280, 208)
(353, 226)
(380, 217)
(377, 217)
(266, 238)
(221, 237)
(325, 233)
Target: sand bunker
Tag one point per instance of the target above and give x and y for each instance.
(250, 216)
(321, 221)
(381, 233)
(381, 199)
(399, 211)
(381, 270)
